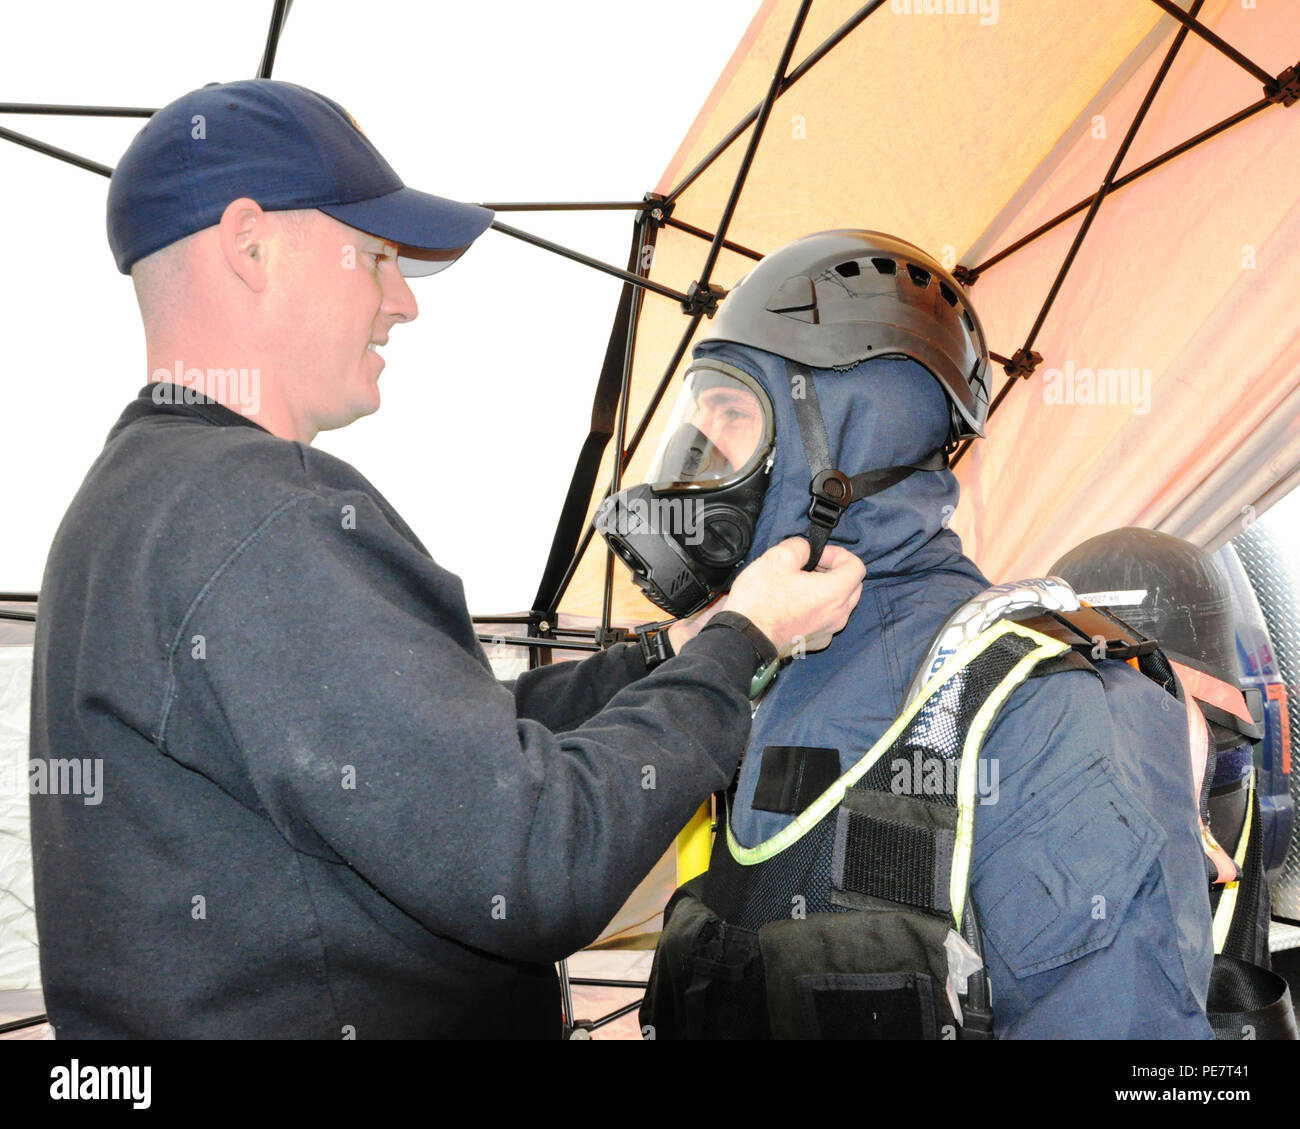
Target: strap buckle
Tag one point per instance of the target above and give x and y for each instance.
(653, 640)
(832, 492)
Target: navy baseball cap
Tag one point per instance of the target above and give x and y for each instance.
(286, 147)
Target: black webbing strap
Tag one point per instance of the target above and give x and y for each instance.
(832, 490)
(1248, 1002)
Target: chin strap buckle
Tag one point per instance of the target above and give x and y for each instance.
(832, 492)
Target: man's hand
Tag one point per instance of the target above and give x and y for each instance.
(789, 605)
(684, 630)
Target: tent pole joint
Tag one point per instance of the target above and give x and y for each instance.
(1023, 363)
(658, 209)
(702, 299)
(1285, 89)
(967, 276)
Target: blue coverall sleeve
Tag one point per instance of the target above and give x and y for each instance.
(1088, 874)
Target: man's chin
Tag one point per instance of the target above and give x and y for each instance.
(361, 407)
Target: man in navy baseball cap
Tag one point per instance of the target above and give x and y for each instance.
(268, 238)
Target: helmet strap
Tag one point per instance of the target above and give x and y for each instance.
(832, 490)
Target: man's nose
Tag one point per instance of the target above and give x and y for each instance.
(399, 301)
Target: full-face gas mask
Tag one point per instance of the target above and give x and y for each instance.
(685, 531)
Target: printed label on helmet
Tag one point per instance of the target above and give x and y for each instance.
(1129, 597)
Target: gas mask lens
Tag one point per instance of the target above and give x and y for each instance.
(719, 429)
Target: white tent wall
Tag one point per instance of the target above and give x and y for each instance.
(1184, 286)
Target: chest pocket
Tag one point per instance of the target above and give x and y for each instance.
(1048, 897)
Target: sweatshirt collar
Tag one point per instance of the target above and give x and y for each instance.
(164, 398)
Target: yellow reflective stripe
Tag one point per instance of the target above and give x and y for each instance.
(970, 754)
(834, 795)
(1228, 899)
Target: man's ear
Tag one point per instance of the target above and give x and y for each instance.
(243, 231)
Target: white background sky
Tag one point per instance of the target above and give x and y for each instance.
(487, 396)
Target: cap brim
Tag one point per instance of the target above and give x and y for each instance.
(431, 232)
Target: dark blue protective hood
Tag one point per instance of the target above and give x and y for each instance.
(882, 413)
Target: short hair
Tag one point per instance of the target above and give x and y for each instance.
(161, 279)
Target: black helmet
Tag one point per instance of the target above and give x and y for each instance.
(1166, 587)
(1178, 595)
(836, 298)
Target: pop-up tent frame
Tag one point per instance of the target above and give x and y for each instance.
(655, 211)
(543, 633)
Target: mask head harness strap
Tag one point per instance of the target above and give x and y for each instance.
(832, 490)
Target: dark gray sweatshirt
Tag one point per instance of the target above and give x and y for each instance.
(319, 814)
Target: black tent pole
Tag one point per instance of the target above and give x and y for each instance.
(1122, 152)
(604, 409)
(578, 257)
(620, 426)
(554, 599)
(1025, 360)
(572, 206)
(278, 15)
(760, 123)
(54, 151)
(708, 237)
(1190, 23)
(644, 423)
(77, 111)
(831, 41)
(1122, 182)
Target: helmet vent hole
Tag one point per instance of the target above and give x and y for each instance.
(848, 270)
(949, 295)
(919, 276)
(885, 266)
(965, 316)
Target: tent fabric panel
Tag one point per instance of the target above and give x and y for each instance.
(923, 126)
(1213, 337)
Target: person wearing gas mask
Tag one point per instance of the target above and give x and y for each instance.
(969, 818)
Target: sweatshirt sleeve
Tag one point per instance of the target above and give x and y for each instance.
(339, 690)
(565, 694)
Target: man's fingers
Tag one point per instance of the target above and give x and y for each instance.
(797, 549)
(836, 558)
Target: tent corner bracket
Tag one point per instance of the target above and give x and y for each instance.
(1285, 89)
(658, 208)
(702, 299)
(1023, 363)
